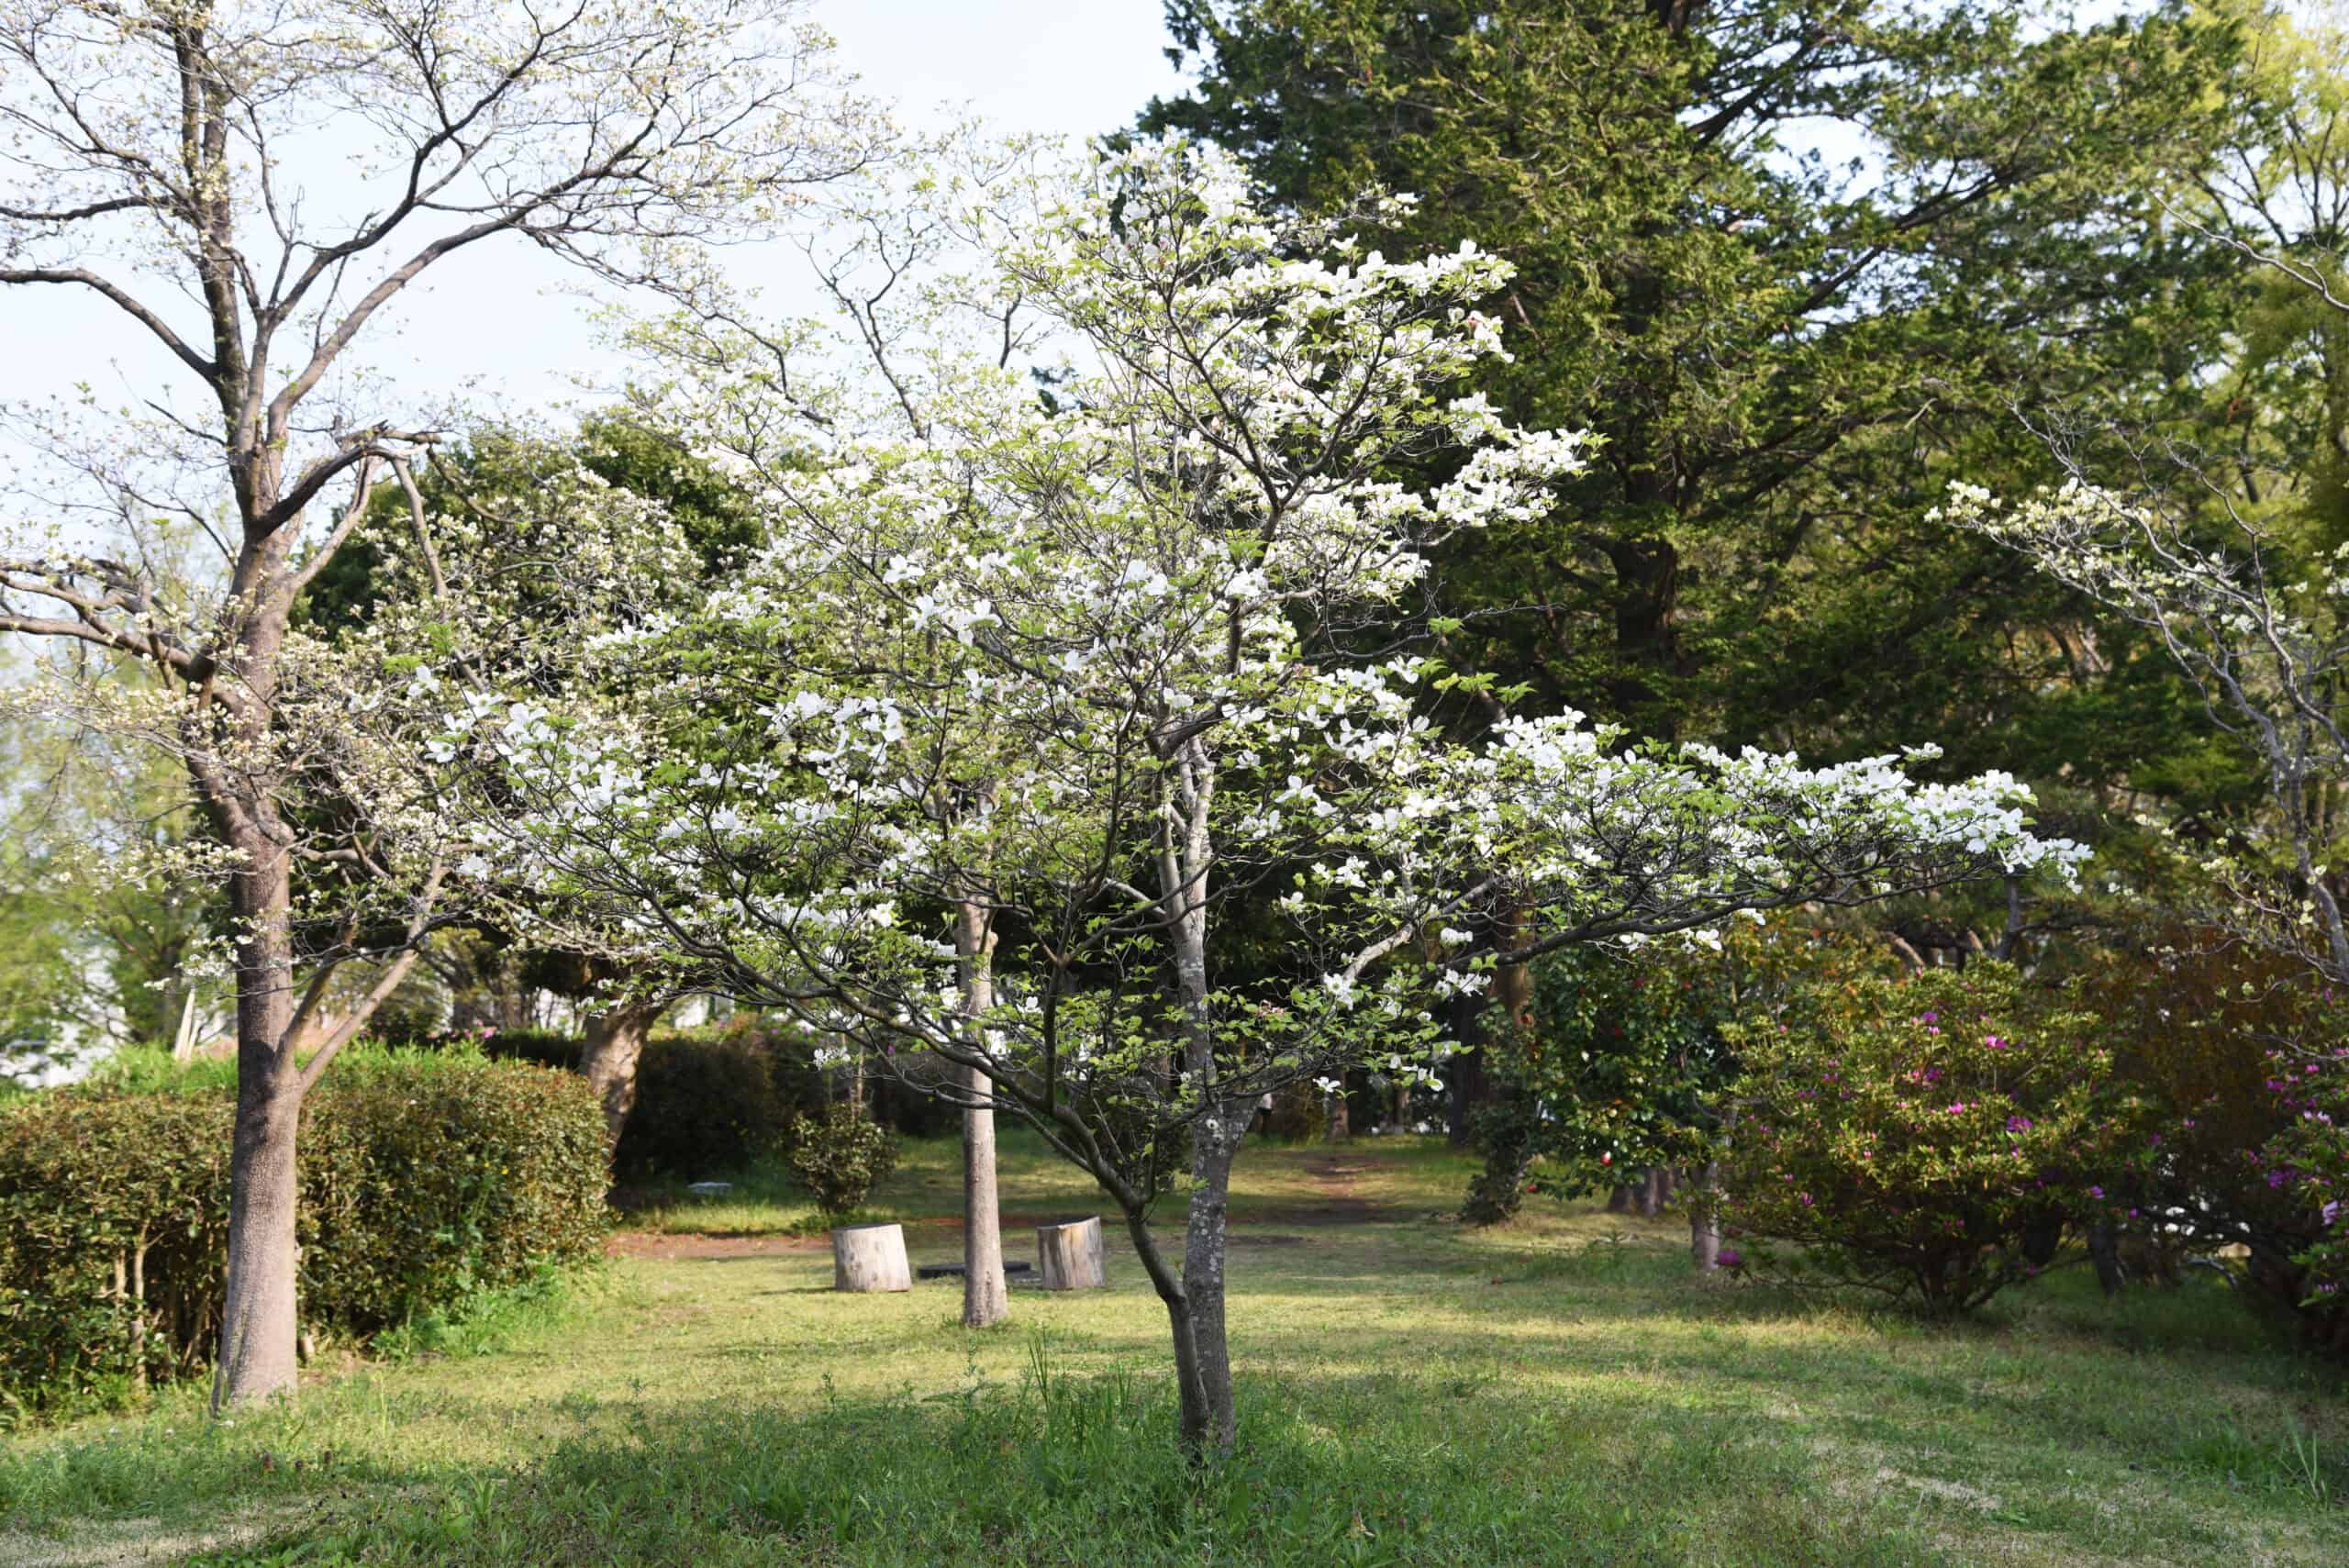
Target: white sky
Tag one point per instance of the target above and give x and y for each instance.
(497, 322)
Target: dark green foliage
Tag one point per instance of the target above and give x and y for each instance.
(542, 1048)
(423, 1180)
(704, 1103)
(1789, 351)
(839, 1156)
(707, 1100)
(1623, 1060)
(1297, 1115)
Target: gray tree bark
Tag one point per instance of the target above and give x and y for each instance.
(986, 1300)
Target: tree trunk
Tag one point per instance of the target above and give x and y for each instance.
(986, 1300)
(1206, 1245)
(1191, 1400)
(1651, 1191)
(2104, 1253)
(260, 1321)
(1619, 1200)
(1337, 1123)
(609, 1056)
(1705, 1200)
(1705, 1222)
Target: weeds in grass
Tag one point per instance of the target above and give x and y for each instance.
(488, 1321)
(2304, 1464)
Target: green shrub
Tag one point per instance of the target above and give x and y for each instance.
(1934, 1137)
(423, 1186)
(707, 1099)
(423, 1179)
(841, 1156)
(542, 1048)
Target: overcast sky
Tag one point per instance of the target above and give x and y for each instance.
(495, 322)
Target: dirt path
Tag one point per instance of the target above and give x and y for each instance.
(1334, 1174)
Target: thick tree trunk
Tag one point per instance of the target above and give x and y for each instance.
(608, 1057)
(986, 1299)
(259, 1317)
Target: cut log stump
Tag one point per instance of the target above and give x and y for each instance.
(1069, 1255)
(870, 1257)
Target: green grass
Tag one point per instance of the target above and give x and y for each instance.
(1555, 1390)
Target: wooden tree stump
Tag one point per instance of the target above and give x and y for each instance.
(871, 1257)
(1069, 1256)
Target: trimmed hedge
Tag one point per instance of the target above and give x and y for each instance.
(423, 1179)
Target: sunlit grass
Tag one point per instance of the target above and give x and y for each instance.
(1555, 1390)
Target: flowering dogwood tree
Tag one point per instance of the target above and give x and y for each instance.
(251, 186)
(1053, 690)
(2265, 646)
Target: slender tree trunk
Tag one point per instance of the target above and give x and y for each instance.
(1470, 1084)
(1651, 1193)
(608, 1057)
(1705, 1222)
(1192, 1417)
(1217, 1135)
(985, 1299)
(260, 1315)
(1705, 1200)
(1619, 1200)
(1205, 1247)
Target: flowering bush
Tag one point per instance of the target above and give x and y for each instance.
(2240, 1053)
(1933, 1137)
(2310, 1161)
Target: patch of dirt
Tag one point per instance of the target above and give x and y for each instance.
(667, 1245)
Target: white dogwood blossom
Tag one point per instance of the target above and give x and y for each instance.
(1083, 669)
(2266, 646)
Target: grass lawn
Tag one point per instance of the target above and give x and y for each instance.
(1556, 1391)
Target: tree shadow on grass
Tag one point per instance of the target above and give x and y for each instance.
(1069, 1469)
